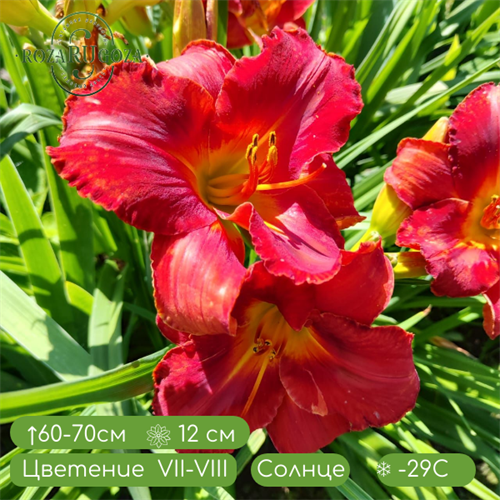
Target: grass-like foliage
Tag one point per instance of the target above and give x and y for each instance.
(77, 319)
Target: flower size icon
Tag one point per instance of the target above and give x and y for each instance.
(158, 436)
(383, 469)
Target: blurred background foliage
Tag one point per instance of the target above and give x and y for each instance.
(78, 334)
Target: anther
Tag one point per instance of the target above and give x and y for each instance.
(491, 214)
(272, 156)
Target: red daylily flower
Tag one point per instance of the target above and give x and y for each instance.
(453, 188)
(251, 19)
(203, 143)
(305, 362)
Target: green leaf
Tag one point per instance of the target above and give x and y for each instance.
(35, 493)
(125, 382)
(218, 493)
(253, 445)
(105, 338)
(40, 335)
(222, 14)
(351, 153)
(43, 269)
(79, 298)
(13, 65)
(74, 225)
(139, 492)
(352, 491)
(22, 121)
(452, 59)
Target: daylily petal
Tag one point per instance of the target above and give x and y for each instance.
(235, 6)
(421, 173)
(361, 289)
(295, 430)
(198, 302)
(365, 374)
(475, 139)
(129, 148)
(170, 334)
(491, 311)
(203, 61)
(461, 266)
(236, 34)
(295, 302)
(293, 88)
(332, 188)
(292, 10)
(293, 233)
(217, 375)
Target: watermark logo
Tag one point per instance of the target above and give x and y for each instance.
(81, 46)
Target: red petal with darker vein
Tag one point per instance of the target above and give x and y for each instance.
(294, 430)
(197, 277)
(295, 235)
(475, 139)
(203, 61)
(361, 289)
(491, 311)
(217, 375)
(130, 147)
(332, 188)
(365, 374)
(421, 173)
(293, 88)
(462, 267)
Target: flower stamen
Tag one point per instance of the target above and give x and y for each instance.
(491, 214)
(290, 184)
(234, 189)
(267, 169)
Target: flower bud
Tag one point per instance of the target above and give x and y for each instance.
(27, 13)
(118, 8)
(137, 22)
(189, 24)
(407, 264)
(438, 132)
(388, 214)
(74, 6)
(212, 19)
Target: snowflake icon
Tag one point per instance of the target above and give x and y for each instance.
(383, 469)
(158, 436)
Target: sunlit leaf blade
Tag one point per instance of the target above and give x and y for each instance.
(39, 334)
(22, 121)
(43, 269)
(121, 383)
